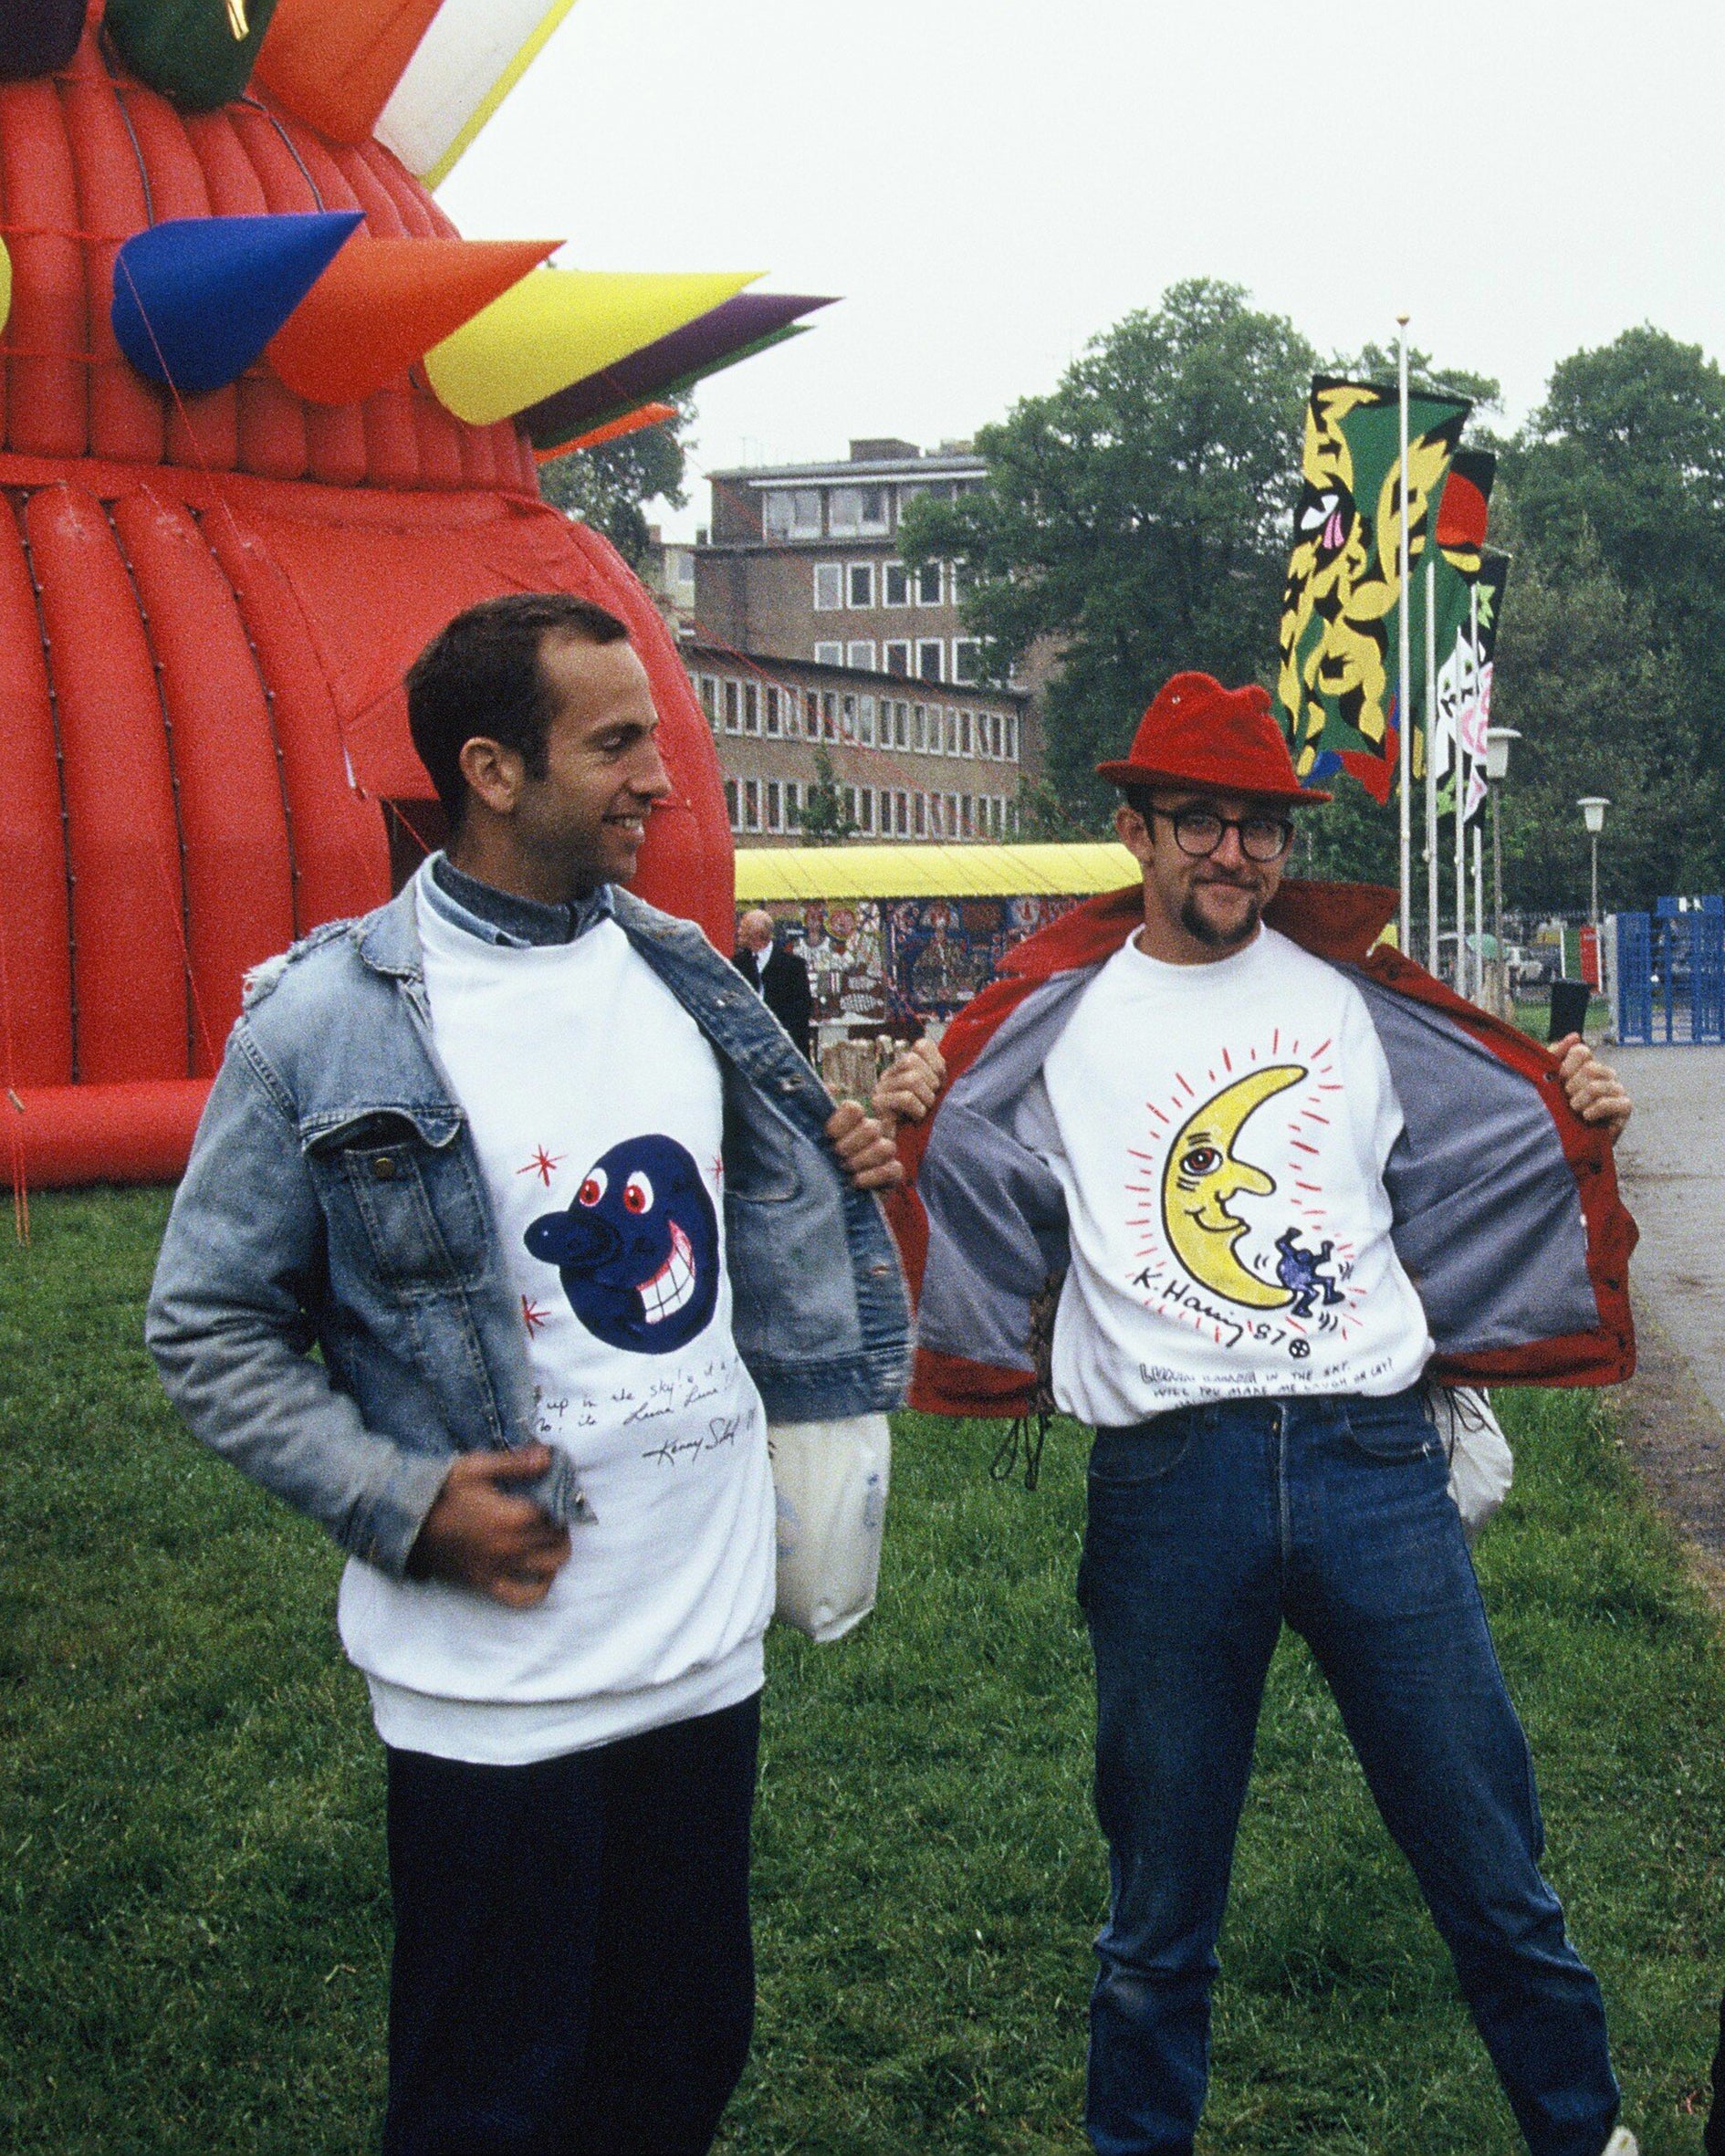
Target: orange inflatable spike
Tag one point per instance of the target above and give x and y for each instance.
(334, 63)
(613, 430)
(384, 303)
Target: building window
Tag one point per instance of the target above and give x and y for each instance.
(730, 803)
(861, 654)
(967, 657)
(847, 718)
(793, 805)
(775, 806)
(968, 810)
(791, 514)
(872, 516)
(830, 717)
(860, 586)
(1012, 737)
(709, 699)
(894, 584)
(751, 804)
(898, 657)
(733, 708)
(919, 815)
(966, 739)
(903, 815)
(829, 654)
(865, 721)
(952, 734)
(930, 660)
(751, 707)
(851, 806)
(773, 726)
(829, 586)
(844, 512)
(810, 715)
(960, 581)
(865, 808)
(919, 726)
(928, 584)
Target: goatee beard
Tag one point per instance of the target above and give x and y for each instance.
(1199, 925)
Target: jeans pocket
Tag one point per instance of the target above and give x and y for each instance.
(1128, 1459)
(1391, 1430)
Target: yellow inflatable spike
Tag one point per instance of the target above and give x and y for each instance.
(557, 326)
(472, 56)
(5, 285)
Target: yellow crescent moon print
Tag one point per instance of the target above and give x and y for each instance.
(1202, 1174)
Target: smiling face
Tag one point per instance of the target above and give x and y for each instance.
(637, 1248)
(580, 821)
(1202, 1173)
(1198, 910)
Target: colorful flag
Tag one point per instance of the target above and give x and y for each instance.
(1336, 685)
(1460, 533)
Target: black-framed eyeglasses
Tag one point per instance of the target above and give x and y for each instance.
(1197, 833)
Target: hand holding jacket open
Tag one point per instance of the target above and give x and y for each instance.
(1594, 1090)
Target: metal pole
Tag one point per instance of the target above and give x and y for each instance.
(1479, 911)
(1593, 841)
(1434, 940)
(1405, 755)
(1465, 970)
(1497, 876)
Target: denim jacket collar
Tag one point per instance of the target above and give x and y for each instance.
(501, 917)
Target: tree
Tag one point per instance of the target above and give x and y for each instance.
(609, 486)
(824, 820)
(1138, 515)
(1625, 462)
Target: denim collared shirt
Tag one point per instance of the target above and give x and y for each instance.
(334, 1199)
(499, 917)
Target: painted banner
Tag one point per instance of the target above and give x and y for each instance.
(1336, 686)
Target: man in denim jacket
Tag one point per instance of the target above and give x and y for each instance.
(476, 1148)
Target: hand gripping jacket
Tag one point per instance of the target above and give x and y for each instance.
(1506, 1210)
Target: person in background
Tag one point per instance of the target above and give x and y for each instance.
(1275, 1174)
(513, 1153)
(778, 976)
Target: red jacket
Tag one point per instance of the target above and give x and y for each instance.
(1506, 1210)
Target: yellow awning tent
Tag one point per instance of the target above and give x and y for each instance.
(766, 874)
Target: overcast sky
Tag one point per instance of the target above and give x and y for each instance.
(988, 183)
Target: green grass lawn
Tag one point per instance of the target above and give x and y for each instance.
(194, 1921)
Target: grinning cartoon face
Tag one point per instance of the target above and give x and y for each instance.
(637, 1248)
(1202, 1173)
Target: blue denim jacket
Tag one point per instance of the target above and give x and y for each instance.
(334, 1199)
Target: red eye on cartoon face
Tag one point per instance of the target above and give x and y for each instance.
(637, 1194)
(594, 1188)
(1202, 1160)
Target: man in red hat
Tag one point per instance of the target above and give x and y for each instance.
(1281, 1181)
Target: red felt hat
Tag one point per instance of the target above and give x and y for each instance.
(1197, 733)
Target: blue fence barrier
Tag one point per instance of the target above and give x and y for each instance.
(1671, 974)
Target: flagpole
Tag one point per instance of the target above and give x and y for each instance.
(1434, 942)
(1405, 743)
(1464, 969)
(1478, 904)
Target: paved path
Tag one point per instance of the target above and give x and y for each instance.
(1672, 1163)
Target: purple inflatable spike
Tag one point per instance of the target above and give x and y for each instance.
(700, 344)
(38, 36)
(198, 299)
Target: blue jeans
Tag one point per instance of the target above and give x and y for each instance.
(1207, 1529)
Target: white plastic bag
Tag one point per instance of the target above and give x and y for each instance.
(829, 1479)
(1481, 1467)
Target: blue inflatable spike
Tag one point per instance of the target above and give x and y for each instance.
(198, 299)
(38, 36)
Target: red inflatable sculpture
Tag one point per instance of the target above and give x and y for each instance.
(206, 605)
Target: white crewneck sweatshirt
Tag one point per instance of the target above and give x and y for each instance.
(595, 1109)
(1220, 1132)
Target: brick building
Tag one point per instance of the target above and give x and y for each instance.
(803, 560)
(912, 760)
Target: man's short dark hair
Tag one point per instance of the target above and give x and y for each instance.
(482, 675)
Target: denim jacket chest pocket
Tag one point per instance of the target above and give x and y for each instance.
(396, 1184)
(781, 1210)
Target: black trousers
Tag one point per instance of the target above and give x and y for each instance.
(574, 1972)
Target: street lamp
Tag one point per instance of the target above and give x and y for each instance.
(1497, 767)
(1593, 807)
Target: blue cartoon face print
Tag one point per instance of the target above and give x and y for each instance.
(637, 1249)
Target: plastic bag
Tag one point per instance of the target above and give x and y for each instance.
(830, 1480)
(1481, 1466)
